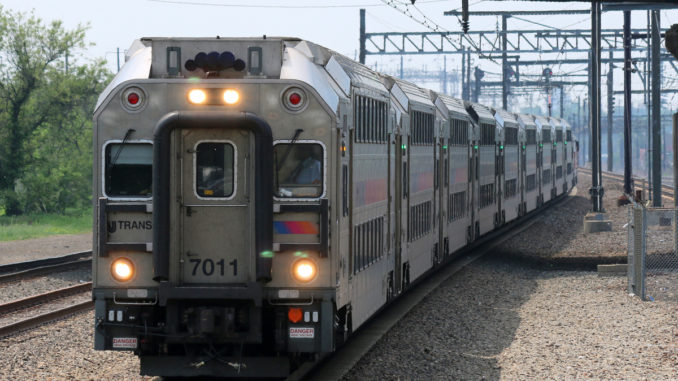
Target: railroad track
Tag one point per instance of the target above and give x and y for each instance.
(26, 304)
(338, 364)
(667, 190)
(14, 271)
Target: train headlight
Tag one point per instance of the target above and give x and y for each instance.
(231, 96)
(304, 270)
(122, 269)
(197, 96)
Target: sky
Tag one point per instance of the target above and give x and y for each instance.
(332, 23)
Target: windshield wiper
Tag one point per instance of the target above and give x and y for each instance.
(297, 132)
(122, 145)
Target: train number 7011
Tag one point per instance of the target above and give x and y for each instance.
(209, 266)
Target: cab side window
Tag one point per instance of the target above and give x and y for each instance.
(298, 170)
(128, 170)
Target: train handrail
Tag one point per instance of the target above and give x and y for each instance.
(263, 192)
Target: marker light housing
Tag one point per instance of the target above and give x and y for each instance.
(294, 99)
(133, 98)
(304, 270)
(122, 269)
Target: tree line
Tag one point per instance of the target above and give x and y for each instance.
(47, 96)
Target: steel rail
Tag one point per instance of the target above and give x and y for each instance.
(21, 266)
(14, 271)
(41, 298)
(667, 190)
(45, 318)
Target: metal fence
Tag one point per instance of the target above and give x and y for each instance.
(652, 253)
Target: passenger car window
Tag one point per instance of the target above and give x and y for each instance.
(128, 170)
(298, 169)
(214, 170)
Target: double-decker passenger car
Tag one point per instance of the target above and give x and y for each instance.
(259, 199)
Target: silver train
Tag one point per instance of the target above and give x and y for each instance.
(259, 199)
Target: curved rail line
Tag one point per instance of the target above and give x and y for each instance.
(667, 190)
(14, 271)
(337, 365)
(38, 320)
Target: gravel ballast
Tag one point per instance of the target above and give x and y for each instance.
(33, 286)
(500, 320)
(519, 313)
(45, 247)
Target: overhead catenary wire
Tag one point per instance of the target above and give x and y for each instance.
(275, 6)
(433, 26)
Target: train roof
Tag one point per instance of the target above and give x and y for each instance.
(556, 123)
(526, 121)
(480, 113)
(565, 123)
(452, 106)
(361, 75)
(504, 118)
(407, 93)
(542, 123)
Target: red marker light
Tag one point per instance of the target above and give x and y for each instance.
(133, 98)
(295, 99)
(294, 314)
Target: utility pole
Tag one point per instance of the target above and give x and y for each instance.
(586, 138)
(401, 67)
(504, 64)
(610, 113)
(362, 36)
(444, 86)
(464, 96)
(627, 105)
(468, 73)
(596, 220)
(562, 101)
(656, 113)
(579, 128)
(117, 56)
(648, 155)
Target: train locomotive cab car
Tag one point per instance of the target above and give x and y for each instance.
(456, 138)
(546, 158)
(259, 199)
(509, 150)
(213, 174)
(484, 162)
(530, 160)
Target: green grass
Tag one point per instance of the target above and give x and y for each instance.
(41, 225)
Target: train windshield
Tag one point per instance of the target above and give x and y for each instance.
(129, 170)
(298, 170)
(214, 170)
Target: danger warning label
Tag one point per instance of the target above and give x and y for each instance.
(302, 332)
(125, 342)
